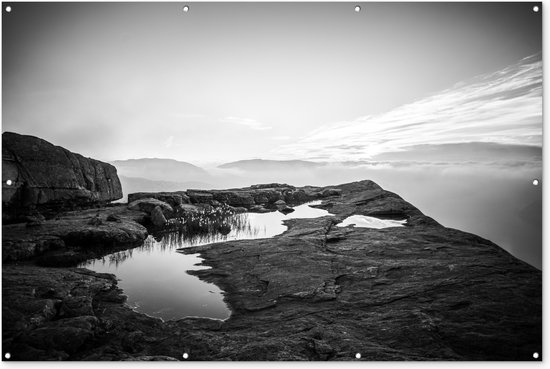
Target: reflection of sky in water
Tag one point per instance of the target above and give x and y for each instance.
(364, 221)
(154, 276)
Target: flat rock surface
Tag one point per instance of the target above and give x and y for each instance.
(107, 227)
(316, 292)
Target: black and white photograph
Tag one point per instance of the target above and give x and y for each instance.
(272, 181)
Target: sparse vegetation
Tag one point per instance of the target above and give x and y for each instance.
(205, 226)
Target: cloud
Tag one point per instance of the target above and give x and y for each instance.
(504, 107)
(247, 122)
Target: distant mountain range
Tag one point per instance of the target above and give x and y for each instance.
(155, 175)
(270, 165)
(168, 170)
(133, 185)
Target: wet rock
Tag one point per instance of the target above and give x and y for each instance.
(285, 209)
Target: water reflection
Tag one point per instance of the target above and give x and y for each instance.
(363, 221)
(240, 226)
(154, 276)
(155, 279)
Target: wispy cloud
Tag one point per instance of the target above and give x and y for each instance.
(247, 122)
(502, 107)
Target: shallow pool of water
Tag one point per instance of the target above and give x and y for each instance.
(363, 221)
(154, 276)
(155, 279)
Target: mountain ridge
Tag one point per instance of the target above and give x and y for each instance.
(266, 164)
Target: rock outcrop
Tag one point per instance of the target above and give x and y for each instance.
(256, 198)
(315, 292)
(74, 236)
(171, 198)
(39, 175)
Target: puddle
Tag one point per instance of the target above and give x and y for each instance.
(155, 279)
(363, 221)
(154, 276)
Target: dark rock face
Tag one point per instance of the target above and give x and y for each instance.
(46, 176)
(315, 292)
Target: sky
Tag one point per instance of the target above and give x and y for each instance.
(504, 108)
(225, 82)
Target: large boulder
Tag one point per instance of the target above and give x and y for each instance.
(149, 204)
(36, 173)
